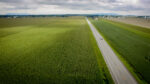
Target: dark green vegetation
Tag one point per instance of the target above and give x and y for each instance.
(50, 51)
(131, 42)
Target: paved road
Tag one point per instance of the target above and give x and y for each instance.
(118, 71)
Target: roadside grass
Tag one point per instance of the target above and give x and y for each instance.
(132, 45)
(50, 51)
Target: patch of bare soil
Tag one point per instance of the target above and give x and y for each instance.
(135, 21)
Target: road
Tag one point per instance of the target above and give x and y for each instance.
(117, 70)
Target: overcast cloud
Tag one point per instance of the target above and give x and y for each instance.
(125, 7)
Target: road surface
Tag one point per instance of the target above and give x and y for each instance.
(118, 71)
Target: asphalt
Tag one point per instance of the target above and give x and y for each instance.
(118, 71)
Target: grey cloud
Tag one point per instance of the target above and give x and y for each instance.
(111, 5)
(96, 4)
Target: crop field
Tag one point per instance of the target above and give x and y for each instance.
(130, 42)
(55, 51)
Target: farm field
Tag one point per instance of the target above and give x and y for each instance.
(50, 51)
(134, 21)
(130, 42)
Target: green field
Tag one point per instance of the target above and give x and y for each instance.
(130, 42)
(50, 51)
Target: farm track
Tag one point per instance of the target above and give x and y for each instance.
(118, 71)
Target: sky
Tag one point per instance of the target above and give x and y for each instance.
(123, 7)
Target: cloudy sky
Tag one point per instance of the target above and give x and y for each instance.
(125, 7)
